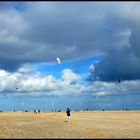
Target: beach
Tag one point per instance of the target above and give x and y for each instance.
(83, 124)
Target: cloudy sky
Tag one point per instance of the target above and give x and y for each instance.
(97, 42)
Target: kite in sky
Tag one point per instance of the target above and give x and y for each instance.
(119, 81)
(58, 60)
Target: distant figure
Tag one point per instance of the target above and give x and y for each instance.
(35, 112)
(39, 111)
(68, 114)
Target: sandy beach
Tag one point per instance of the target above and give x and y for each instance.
(83, 124)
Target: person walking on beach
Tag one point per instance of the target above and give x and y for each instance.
(39, 111)
(68, 114)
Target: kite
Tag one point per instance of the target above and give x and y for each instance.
(58, 60)
(119, 81)
(16, 89)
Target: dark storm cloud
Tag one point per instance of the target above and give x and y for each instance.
(46, 30)
(122, 57)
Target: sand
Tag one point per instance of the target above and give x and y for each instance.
(84, 124)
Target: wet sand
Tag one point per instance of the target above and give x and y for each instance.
(83, 124)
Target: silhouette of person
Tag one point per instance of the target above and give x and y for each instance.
(39, 111)
(68, 114)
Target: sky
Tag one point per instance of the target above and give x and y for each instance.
(97, 43)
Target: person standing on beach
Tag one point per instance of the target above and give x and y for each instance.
(68, 114)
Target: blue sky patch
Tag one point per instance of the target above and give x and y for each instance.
(20, 6)
(80, 66)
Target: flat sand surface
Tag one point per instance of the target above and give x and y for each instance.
(84, 124)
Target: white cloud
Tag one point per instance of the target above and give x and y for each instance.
(69, 75)
(36, 84)
(7, 81)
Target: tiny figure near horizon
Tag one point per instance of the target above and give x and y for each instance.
(68, 114)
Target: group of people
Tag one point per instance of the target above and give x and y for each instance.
(67, 112)
(36, 111)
